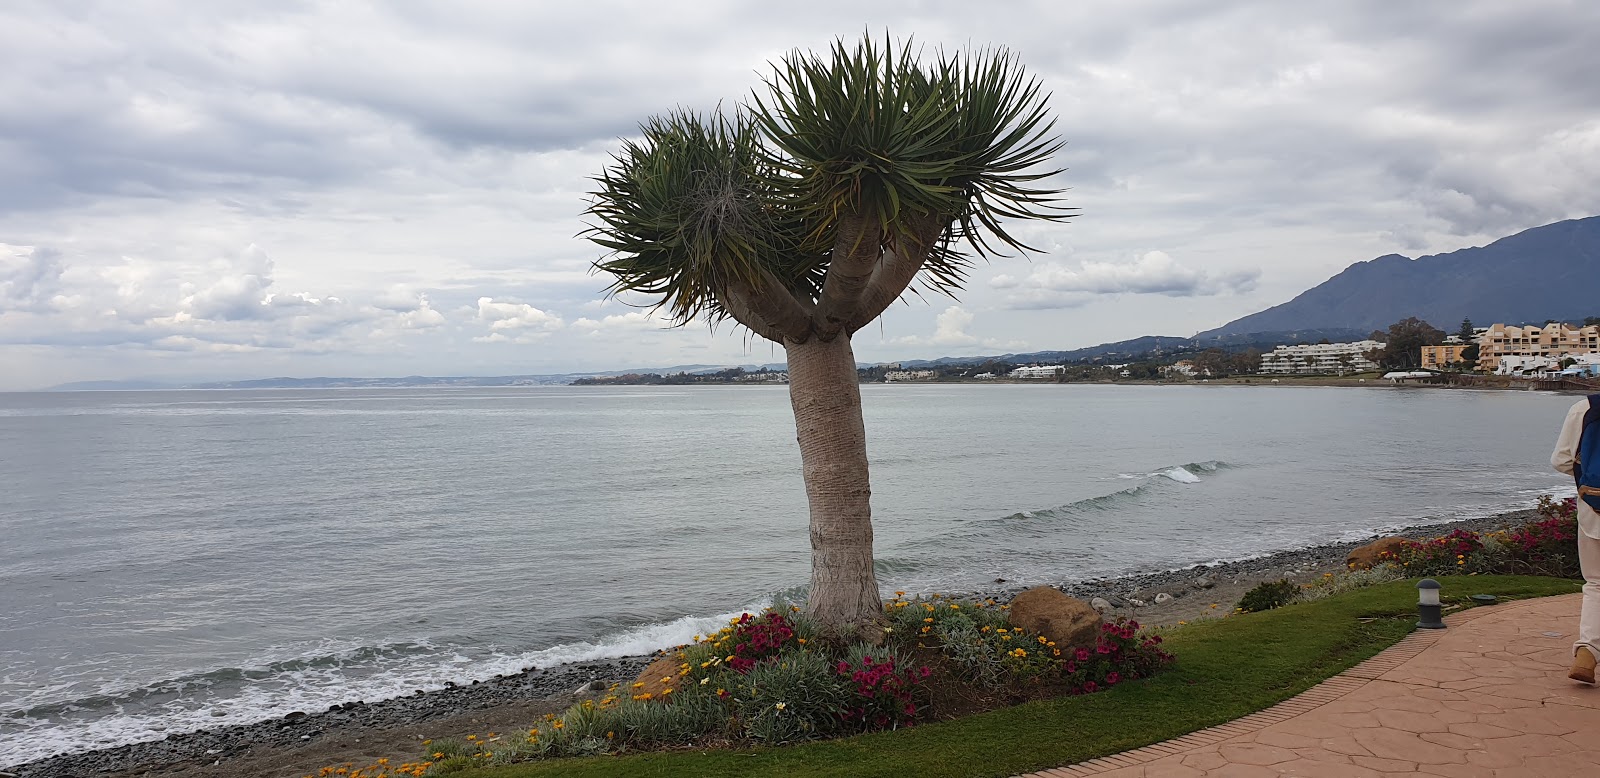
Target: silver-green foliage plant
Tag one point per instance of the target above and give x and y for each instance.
(1339, 583)
(794, 697)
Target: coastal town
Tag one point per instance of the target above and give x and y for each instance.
(1410, 351)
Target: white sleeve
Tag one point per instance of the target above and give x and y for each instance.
(1565, 458)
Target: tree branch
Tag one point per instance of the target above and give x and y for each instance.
(856, 253)
(897, 269)
(769, 310)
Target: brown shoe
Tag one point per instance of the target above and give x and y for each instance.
(1582, 666)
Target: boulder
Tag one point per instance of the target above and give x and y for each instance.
(1163, 598)
(1065, 621)
(657, 678)
(1368, 556)
(1100, 604)
(1204, 582)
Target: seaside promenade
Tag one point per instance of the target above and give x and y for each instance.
(1486, 698)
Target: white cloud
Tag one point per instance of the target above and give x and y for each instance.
(511, 322)
(950, 331)
(633, 321)
(1055, 285)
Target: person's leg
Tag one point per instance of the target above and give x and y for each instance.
(1586, 649)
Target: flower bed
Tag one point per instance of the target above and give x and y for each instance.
(1542, 547)
(769, 678)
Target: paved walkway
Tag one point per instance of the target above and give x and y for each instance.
(1488, 697)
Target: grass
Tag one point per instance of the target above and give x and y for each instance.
(1226, 669)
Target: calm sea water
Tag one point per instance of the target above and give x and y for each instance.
(178, 560)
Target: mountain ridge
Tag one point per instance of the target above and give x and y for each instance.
(1546, 272)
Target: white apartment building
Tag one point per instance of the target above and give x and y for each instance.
(1182, 367)
(1320, 358)
(1036, 371)
(1544, 366)
(908, 375)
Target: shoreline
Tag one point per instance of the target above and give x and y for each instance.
(361, 732)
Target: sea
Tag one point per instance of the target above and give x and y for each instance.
(177, 560)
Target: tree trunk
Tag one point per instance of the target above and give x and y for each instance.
(826, 398)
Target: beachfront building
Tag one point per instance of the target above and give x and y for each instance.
(1548, 366)
(1557, 340)
(1441, 357)
(1038, 371)
(1320, 358)
(908, 375)
(1182, 367)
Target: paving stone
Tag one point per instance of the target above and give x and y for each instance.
(1488, 698)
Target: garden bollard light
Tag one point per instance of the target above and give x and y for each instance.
(1428, 604)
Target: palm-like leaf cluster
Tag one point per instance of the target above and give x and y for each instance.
(868, 135)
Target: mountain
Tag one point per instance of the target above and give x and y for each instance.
(1549, 272)
(1152, 346)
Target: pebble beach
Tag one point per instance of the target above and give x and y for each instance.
(358, 731)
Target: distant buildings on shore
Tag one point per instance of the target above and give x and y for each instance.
(1321, 359)
(1507, 350)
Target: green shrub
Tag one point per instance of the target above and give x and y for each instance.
(1268, 595)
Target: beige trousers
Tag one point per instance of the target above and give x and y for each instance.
(1589, 562)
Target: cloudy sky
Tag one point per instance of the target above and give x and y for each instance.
(196, 191)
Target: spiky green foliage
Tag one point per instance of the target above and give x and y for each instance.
(848, 156)
(690, 208)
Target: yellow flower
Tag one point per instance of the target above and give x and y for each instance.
(780, 706)
(802, 641)
(927, 621)
(899, 594)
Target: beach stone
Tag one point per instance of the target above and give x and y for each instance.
(658, 677)
(1368, 556)
(1066, 621)
(1204, 582)
(1100, 605)
(1163, 598)
(1136, 603)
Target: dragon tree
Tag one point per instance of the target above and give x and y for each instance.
(844, 182)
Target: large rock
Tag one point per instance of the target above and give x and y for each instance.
(657, 678)
(1063, 620)
(1368, 556)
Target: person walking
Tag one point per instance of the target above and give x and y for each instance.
(1568, 459)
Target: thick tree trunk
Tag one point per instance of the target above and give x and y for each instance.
(833, 452)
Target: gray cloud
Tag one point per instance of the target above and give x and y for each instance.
(395, 163)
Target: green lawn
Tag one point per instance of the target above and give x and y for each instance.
(1226, 669)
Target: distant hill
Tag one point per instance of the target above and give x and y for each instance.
(1152, 346)
(1549, 272)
